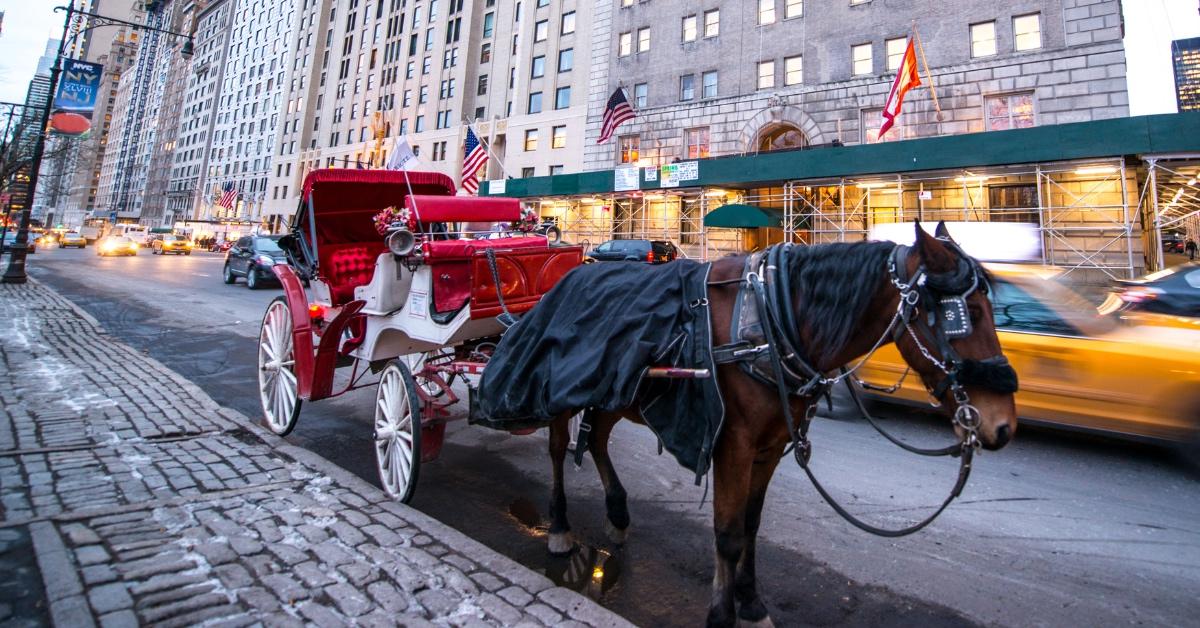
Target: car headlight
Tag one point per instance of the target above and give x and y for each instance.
(266, 261)
(133, 245)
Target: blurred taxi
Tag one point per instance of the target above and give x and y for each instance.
(176, 244)
(71, 238)
(47, 240)
(116, 245)
(1130, 374)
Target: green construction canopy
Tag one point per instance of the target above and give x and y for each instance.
(740, 216)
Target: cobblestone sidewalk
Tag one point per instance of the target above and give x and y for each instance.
(145, 502)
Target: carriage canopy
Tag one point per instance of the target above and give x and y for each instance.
(341, 202)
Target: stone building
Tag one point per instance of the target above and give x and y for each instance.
(174, 73)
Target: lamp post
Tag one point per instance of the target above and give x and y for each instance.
(16, 260)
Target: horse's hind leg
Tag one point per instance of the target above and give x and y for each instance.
(615, 500)
(751, 610)
(731, 487)
(560, 530)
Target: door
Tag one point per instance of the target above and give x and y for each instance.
(240, 255)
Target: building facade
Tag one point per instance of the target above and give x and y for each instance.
(174, 70)
(714, 79)
(1185, 56)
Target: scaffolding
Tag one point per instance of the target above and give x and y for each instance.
(1170, 203)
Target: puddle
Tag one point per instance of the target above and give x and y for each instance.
(590, 570)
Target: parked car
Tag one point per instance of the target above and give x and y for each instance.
(252, 257)
(168, 243)
(1174, 291)
(1133, 376)
(116, 245)
(10, 238)
(649, 251)
(72, 239)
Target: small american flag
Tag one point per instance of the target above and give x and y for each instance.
(230, 195)
(616, 112)
(475, 158)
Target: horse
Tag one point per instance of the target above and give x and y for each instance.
(843, 297)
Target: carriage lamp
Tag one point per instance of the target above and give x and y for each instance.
(316, 311)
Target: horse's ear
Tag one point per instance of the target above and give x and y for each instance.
(937, 256)
(942, 232)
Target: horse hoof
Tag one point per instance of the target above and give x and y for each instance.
(560, 543)
(765, 622)
(615, 534)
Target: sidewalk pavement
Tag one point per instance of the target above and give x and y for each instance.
(143, 501)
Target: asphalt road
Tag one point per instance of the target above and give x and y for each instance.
(1057, 529)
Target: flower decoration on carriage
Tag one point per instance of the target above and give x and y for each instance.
(528, 222)
(392, 218)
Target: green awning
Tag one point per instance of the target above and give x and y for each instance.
(739, 216)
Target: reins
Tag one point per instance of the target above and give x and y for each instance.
(769, 288)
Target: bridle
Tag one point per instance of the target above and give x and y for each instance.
(942, 297)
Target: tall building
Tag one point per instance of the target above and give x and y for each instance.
(1185, 54)
(713, 79)
(52, 172)
(173, 72)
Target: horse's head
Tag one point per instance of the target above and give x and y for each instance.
(950, 337)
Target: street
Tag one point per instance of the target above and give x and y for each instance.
(1056, 529)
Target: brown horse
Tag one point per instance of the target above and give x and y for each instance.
(844, 297)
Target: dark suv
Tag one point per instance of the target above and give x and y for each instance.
(252, 257)
(649, 251)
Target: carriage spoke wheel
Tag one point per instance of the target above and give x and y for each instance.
(397, 431)
(277, 384)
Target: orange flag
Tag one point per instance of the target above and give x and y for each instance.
(907, 77)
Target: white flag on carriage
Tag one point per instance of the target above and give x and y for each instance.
(402, 157)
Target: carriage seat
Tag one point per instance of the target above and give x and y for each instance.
(450, 262)
(347, 266)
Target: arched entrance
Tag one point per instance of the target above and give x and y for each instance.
(780, 136)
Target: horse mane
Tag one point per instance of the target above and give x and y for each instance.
(833, 284)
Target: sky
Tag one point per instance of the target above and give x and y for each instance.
(1150, 25)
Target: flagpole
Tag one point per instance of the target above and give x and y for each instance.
(928, 74)
(488, 148)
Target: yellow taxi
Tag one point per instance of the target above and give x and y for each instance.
(177, 244)
(1134, 375)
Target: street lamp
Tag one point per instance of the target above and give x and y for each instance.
(16, 259)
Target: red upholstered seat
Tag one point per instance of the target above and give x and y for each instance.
(465, 249)
(347, 266)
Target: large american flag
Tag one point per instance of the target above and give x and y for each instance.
(474, 159)
(616, 112)
(229, 196)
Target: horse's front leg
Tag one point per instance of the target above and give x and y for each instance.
(732, 464)
(751, 610)
(615, 499)
(560, 530)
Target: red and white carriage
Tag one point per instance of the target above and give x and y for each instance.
(419, 307)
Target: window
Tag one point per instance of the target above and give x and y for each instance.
(624, 44)
(793, 8)
(538, 68)
(485, 53)
(895, 49)
(872, 119)
(526, 173)
(543, 3)
(1010, 111)
(709, 84)
(566, 60)
(861, 62)
(1013, 203)
(535, 103)
(689, 28)
(695, 143)
(766, 74)
(983, 39)
(531, 141)
(420, 124)
(643, 39)
(628, 145)
(482, 89)
(766, 11)
(1027, 32)
(639, 95)
(556, 169)
(687, 87)
(558, 136)
(567, 24)
(562, 98)
(1015, 309)
(424, 94)
(626, 3)
(793, 70)
(489, 21)
(541, 30)
(712, 23)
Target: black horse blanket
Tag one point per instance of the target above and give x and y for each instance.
(588, 343)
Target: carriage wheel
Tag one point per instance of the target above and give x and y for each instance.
(397, 431)
(277, 384)
(415, 362)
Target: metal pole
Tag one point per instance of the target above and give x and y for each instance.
(1125, 223)
(16, 259)
(1157, 258)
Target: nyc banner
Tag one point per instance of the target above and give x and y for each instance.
(76, 97)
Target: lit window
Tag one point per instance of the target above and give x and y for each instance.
(793, 70)
(861, 61)
(712, 23)
(695, 143)
(794, 8)
(624, 44)
(629, 145)
(558, 137)
(709, 81)
(687, 87)
(531, 137)
(766, 11)
(643, 39)
(626, 3)
(639, 95)
(983, 39)
(766, 74)
(895, 52)
(1010, 111)
(1027, 32)
(689, 28)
